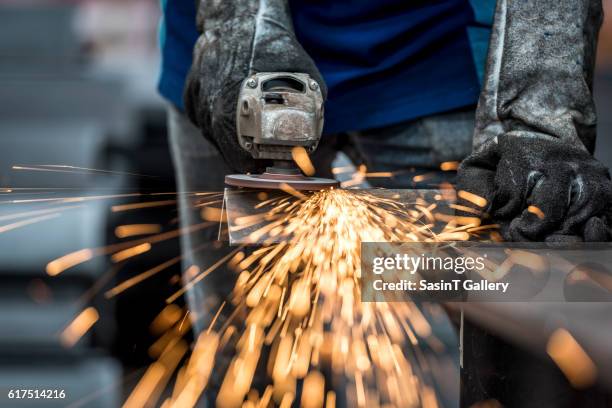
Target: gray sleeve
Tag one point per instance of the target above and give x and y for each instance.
(539, 73)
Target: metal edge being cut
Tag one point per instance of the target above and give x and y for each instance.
(241, 202)
(263, 181)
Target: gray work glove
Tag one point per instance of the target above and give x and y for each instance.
(535, 125)
(238, 38)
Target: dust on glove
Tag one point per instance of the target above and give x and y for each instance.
(535, 125)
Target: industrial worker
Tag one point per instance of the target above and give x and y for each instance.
(401, 81)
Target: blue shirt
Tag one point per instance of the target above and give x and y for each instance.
(384, 61)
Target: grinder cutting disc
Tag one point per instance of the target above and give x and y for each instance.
(277, 180)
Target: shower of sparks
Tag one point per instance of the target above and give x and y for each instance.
(70, 199)
(142, 276)
(149, 388)
(294, 321)
(297, 305)
(360, 175)
(75, 258)
(295, 308)
(201, 275)
(87, 198)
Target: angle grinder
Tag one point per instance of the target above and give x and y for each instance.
(276, 113)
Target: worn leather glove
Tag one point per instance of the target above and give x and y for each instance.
(535, 125)
(238, 39)
(540, 188)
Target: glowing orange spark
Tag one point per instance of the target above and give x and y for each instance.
(422, 177)
(536, 211)
(202, 275)
(571, 358)
(379, 174)
(301, 158)
(313, 394)
(79, 326)
(152, 384)
(141, 276)
(166, 319)
(125, 231)
(74, 258)
(465, 209)
(449, 165)
(138, 206)
(60, 168)
(131, 252)
(473, 198)
(59, 265)
(72, 199)
(299, 302)
(290, 190)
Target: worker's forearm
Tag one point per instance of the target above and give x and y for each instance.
(540, 70)
(256, 32)
(239, 39)
(216, 14)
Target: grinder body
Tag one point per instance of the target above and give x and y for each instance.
(276, 113)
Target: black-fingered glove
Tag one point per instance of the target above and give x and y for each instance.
(238, 39)
(540, 188)
(536, 122)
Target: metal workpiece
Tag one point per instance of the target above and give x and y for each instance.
(279, 111)
(247, 204)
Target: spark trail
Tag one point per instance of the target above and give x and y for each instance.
(294, 327)
(297, 311)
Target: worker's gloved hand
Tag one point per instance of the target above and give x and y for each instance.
(536, 125)
(238, 39)
(539, 188)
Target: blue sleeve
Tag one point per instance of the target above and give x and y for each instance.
(177, 37)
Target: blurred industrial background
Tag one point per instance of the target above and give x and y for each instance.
(78, 88)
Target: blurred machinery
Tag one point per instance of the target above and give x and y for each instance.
(80, 106)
